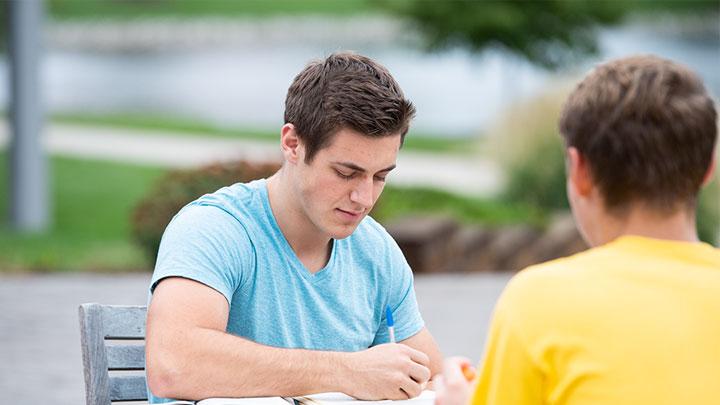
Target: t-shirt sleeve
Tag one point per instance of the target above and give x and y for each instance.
(205, 244)
(508, 375)
(401, 299)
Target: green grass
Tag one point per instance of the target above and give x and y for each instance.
(125, 9)
(92, 202)
(182, 126)
(396, 202)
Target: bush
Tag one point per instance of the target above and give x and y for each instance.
(708, 213)
(173, 191)
(528, 146)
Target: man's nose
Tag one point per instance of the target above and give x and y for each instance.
(362, 194)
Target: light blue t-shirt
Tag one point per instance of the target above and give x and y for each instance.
(230, 241)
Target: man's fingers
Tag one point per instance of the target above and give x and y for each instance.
(453, 388)
(439, 390)
(452, 370)
(419, 373)
(419, 357)
(411, 388)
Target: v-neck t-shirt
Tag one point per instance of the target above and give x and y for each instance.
(230, 241)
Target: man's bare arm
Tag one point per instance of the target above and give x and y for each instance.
(190, 356)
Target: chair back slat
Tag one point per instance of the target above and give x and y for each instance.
(128, 388)
(125, 357)
(100, 324)
(124, 322)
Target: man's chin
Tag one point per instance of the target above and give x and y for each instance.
(343, 231)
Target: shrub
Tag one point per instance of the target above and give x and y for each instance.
(527, 144)
(708, 213)
(177, 188)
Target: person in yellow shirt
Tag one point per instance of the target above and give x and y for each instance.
(635, 319)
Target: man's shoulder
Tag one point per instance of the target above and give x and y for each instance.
(243, 201)
(234, 196)
(560, 267)
(555, 277)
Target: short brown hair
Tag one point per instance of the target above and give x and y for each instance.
(647, 128)
(345, 90)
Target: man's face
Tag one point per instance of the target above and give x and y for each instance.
(338, 188)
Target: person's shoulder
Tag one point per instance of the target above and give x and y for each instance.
(234, 196)
(243, 201)
(560, 267)
(554, 277)
(231, 208)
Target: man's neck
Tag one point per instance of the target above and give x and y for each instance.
(310, 245)
(677, 226)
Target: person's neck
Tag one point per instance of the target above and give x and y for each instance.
(640, 221)
(310, 245)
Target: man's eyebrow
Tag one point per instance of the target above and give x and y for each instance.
(353, 166)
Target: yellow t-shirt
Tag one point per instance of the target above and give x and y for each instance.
(636, 321)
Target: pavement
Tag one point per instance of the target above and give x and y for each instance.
(469, 175)
(40, 360)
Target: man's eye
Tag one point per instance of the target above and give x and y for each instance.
(345, 176)
(380, 179)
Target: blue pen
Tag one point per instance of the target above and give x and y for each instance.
(390, 323)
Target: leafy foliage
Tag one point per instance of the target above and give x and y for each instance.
(549, 33)
(177, 188)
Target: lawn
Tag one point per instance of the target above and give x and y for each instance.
(81, 9)
(92, 204)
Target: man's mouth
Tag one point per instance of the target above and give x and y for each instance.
(350, 214)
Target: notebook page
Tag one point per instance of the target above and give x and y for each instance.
(427, 397)
(245, 401)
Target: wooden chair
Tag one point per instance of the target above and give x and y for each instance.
(114, 370)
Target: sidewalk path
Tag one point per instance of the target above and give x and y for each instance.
(470, 175)
(40, 338)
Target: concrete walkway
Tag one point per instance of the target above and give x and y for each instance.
(470, 175)
(40, 360)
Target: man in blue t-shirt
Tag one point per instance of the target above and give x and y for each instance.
(279, 287)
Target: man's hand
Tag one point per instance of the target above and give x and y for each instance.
(388, 371)
(453, 387)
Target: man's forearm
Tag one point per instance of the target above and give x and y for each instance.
(201, 363)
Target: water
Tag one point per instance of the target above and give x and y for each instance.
(457, 93)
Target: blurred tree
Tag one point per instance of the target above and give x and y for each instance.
(549, 32)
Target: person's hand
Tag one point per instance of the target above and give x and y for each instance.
(388, 371)
(453, 387)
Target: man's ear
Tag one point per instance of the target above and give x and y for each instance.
(579, 175)
(290, 144)
(710, 171)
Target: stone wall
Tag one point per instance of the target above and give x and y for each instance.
(439, 245)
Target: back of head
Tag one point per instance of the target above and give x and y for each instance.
(647, 128)
(345, 90)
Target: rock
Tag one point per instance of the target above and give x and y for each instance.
(501, 252)
(468, 247)
(560, 239)
(426, 242)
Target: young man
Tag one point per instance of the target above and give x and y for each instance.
(279, 287)
(635, 319)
